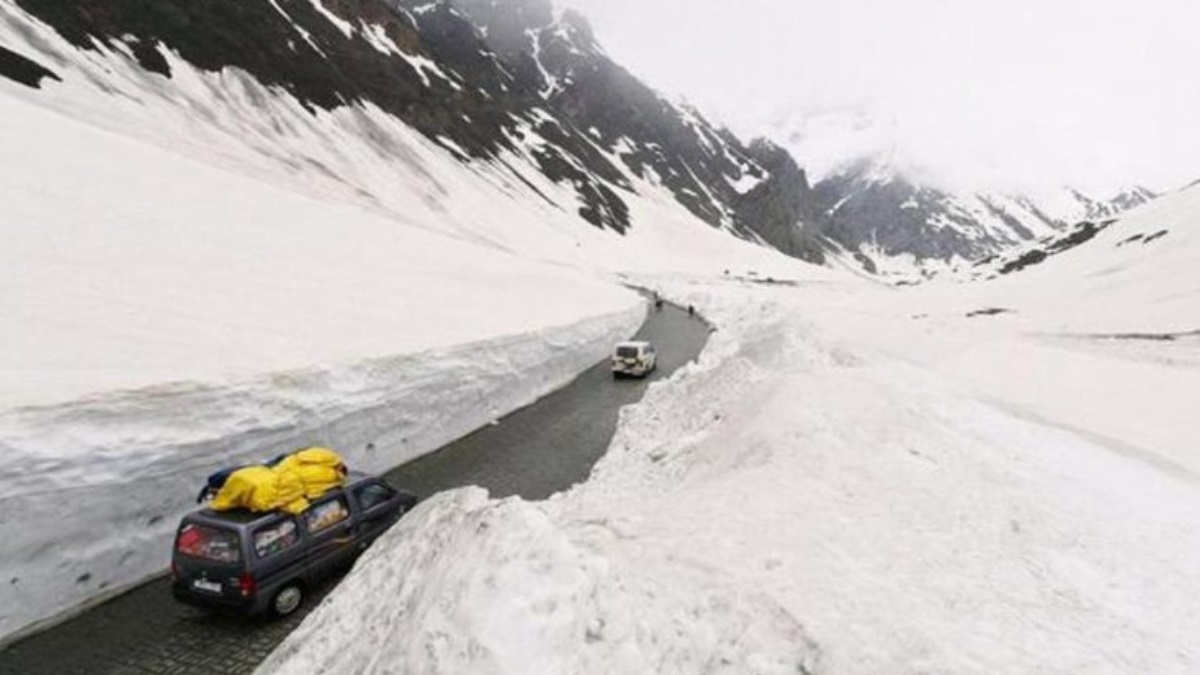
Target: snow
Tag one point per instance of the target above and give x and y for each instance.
(458, 149)
(377, 37)
(895, 486)
(173, 316)
(535, 44)
(746, 183)
(556, 576)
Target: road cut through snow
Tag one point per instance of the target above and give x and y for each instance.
(797, 501)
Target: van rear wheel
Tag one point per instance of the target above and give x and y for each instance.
(287, 600)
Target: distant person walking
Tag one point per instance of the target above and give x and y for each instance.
(691, 310)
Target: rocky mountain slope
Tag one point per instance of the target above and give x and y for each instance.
(489, 81)
(755, 190)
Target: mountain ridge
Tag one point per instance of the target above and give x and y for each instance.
(882, 214)
(521, 81)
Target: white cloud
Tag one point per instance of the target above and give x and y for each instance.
(1003, 92)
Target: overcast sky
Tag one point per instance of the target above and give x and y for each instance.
(999, 93)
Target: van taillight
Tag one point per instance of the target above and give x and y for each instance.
(247, 585)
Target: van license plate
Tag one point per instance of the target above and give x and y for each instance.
(206, 585)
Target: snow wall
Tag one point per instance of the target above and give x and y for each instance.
(91, 492)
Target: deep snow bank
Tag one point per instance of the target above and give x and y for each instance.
(468, 585)
(1102, 339)
(881, 518)
(127, 465)
(157, 268)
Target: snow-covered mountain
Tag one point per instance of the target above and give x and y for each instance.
(754, 191)
(1074, 236)
(520, 83)
(890, 220)
(1092, 209)
(482, 78)
(891, 213)
(881, 215)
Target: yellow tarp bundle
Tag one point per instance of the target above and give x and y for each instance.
(261, 488)
(287, 486)
(321, 470)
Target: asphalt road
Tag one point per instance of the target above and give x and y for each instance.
(534, 452)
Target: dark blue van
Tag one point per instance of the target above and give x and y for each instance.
(266, 562)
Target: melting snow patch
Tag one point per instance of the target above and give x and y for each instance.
(379, 39)
(303, 33)
(746, 183)
(454, 147)
(340, 23)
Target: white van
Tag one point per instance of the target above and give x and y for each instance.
(634, 358)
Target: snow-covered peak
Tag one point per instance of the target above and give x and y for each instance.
(1071, 205)
(891, 216)
(1142, 243)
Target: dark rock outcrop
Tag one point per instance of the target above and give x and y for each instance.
(23, 70)
(1082, 233)
(785, 208)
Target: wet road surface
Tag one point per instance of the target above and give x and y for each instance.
(533, 452)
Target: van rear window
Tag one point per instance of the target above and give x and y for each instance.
(627, 352)
(208, 543)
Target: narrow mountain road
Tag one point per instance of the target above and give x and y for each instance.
(534, 452)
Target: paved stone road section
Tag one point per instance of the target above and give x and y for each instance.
(533, 452)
